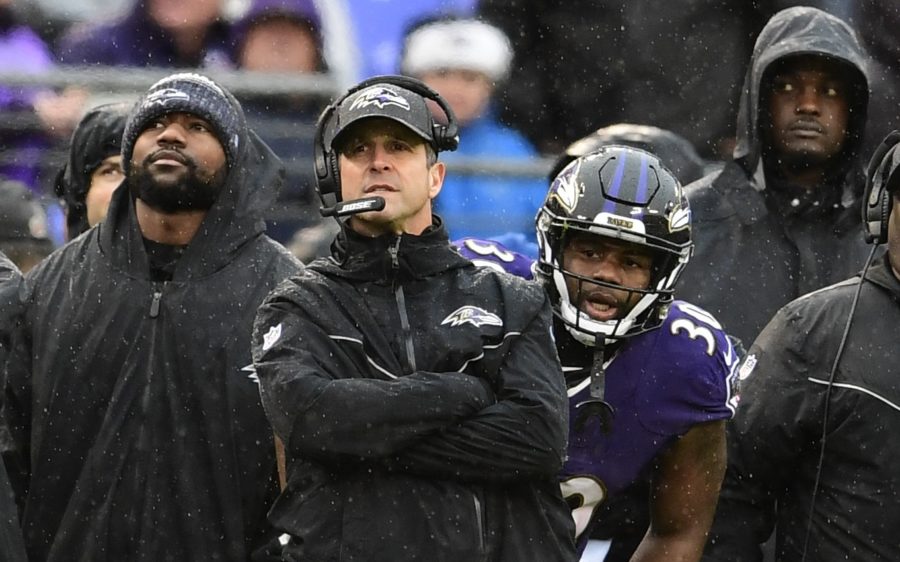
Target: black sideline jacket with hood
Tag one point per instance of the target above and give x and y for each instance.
(422, 406)
(11, 547)
(758, 241)
(133, 402)
(96, 137)
(774, 440)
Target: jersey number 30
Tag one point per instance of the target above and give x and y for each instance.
(695, 331)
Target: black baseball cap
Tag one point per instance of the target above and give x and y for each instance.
(388, 101)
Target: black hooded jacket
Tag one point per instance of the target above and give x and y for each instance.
(134, 402)
(758, 242)
(97, 137)
(422, 406)
(11, 546)
(774, 440)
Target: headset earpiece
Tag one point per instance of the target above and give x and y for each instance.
(328, 179)
(877, 201)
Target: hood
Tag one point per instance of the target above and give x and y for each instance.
(236, 218)
(792, 32)
(97, 137)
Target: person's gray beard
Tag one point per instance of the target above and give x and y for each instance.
(189, 194)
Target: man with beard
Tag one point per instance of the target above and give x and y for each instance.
(130, 394)
(782, 219)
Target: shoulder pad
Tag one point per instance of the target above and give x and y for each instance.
(489, 253)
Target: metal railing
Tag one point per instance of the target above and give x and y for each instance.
(117, 83)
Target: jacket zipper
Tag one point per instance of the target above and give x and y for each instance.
(157, 297)
(479, 522)
(400, 297)
(142, 441)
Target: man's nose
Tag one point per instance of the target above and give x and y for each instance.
(380, 158)
(171, 133)
(607, 269)
(808, 100)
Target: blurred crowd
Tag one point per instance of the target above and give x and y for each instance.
(525, 78)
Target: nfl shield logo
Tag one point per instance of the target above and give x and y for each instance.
(271, 337)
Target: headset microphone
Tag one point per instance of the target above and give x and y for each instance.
(354, 206)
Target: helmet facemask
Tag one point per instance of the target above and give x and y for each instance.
(578, 207)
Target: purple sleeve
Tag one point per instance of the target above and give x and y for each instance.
(489, 253)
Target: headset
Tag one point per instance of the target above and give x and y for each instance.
(876, 210)
(328, 178)
(880, 176)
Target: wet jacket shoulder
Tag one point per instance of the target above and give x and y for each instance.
(10, 533)
(774, 439)
(406, 381)
(110, 368)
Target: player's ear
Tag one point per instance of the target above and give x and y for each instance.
(436, 179)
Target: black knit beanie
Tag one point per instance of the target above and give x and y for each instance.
(187, 93)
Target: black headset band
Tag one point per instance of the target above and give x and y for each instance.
(445, 137)
(876, 204)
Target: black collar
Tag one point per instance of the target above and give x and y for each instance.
(391, 256)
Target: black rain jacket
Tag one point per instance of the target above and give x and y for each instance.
(11, 545)
(422, 406)
(774, 440)
(133, 402)
(754, 250)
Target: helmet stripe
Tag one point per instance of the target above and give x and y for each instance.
(642, 185)
(609, 206)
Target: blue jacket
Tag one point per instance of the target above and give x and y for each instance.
(483, 205)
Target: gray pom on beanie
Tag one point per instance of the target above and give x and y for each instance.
(187, 93)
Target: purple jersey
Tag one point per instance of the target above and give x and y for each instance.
(659, 383)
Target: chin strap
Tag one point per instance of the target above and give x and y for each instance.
(596, 405)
